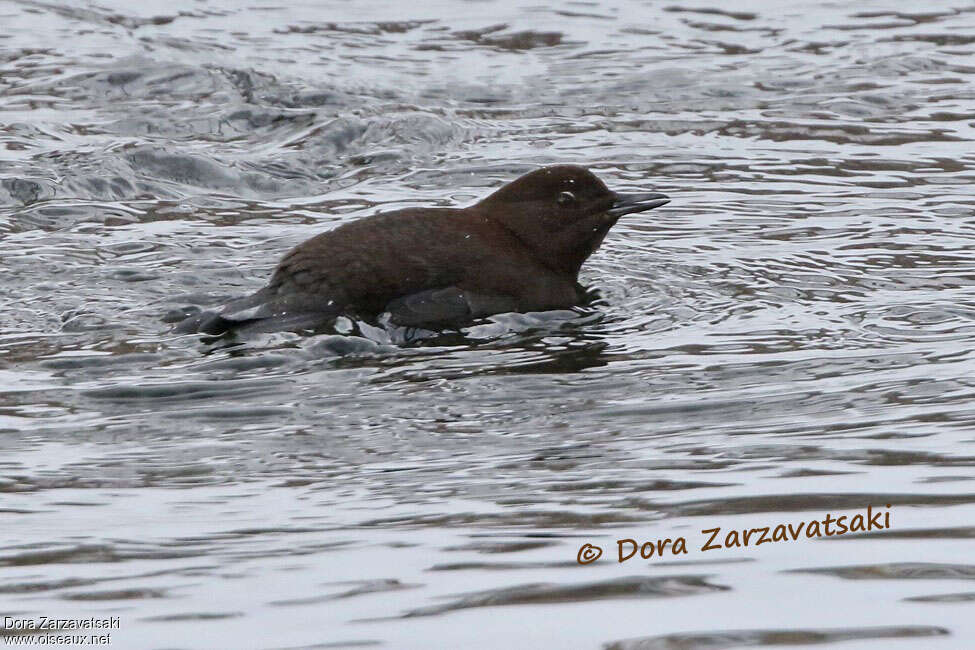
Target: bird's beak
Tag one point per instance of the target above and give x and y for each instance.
(630, 203)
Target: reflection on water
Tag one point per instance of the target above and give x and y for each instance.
(790, 337)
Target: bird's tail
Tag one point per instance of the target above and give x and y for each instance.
(260, 312)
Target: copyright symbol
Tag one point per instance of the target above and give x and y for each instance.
(588, 554)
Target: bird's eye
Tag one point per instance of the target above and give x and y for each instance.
(566, 198)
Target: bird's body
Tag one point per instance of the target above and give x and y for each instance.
(519, 249)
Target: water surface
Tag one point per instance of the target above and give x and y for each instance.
(792, 336)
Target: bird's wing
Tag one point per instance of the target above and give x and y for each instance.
(448, 305)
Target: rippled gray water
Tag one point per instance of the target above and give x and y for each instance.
(790, 337)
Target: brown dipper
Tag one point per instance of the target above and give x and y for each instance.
(519, 249)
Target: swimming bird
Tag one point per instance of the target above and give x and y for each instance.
(518, 249)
